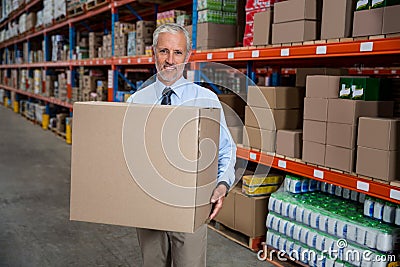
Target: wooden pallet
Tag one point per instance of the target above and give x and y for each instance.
(95, 4)
(252, 243)
(60, 134)
(75, 10)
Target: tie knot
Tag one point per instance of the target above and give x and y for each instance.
(166, 96)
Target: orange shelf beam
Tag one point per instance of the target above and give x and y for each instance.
(46, 99)
(372, 188)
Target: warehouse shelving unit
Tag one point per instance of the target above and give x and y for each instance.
(370, 53)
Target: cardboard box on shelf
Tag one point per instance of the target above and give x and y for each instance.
(314, 153)
(368, 22)
(340, 158)
(348, 111)
(211, 35)
(250, 214)
(273, 119)
(233, 102)
(322, 86)
(60, 126)
(129, 190)
(369, 89)
(379, 133)
(314, 131)
(259, 139)
(145, 29)
(237, 134)
(390, 19)
(337, 18)
(295, 31)
(302, 73)
(342, 135)
(226, 215)
(278, 97)
(289, 143)
(379, 164)
(315, 109)
(262, 28)
(293, 10)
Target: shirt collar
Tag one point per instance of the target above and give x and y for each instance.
(178, 87)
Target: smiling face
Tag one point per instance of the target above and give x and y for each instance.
(170, 55)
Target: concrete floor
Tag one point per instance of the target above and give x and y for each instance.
(35, 229)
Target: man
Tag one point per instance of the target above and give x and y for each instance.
(172, 49)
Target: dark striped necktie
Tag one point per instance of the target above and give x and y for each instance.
(166, 96)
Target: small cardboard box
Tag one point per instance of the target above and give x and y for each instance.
(314, 153)
(314, 131)
(297, 10)
(376, 163)
(379, 133)
(212, 35)
(259, 139)
(295, 31)
(273, 119)
(251, 214)
(342, 135)
(322, 86)
(148, 183)
(289, 143)
(368, 22)
(337, 18)
(302, 73)
(391, 19)
(279, 97)
(315, 109)
(340, 158)
(145, 29)
(348, 111)
(262, 28)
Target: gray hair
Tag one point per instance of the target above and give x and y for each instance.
(172, 28)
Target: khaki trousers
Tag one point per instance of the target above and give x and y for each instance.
(165, 249)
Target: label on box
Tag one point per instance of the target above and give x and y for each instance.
(358, 92)
(344, 91)
(394, 194)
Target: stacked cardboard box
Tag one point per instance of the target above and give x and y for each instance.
(376, 21)
(105, 51)
(270, 109)
(379, 148)
(62, 87)
(169, 16)
(244, 214)
(337, 18)
(262, 27)
(30, 21)
(144, 35)
(60, 9)
(95, 41)
(212, 35)
(296, 21)
(330, 124)
(233, 106)
(131, 45)
(121, 37)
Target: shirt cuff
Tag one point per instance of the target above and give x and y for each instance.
(226, 185)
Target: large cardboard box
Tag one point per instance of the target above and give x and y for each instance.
(262, 28)
(379, 133)
(275, 97)
(226, 215)
(337, 18)
(314, 131)
(322, 86)
(211, 35)
(273, 119)
(297, 10)
(368, 22)
(340, 158)
(289, 143)
(302, 73)
(315, 109)
(237, 134)
(251, 214)
(259, 139)
(342, 135)
(148, 183)
(233, 102)
(376, 163)
(314, 153)
(391, 19)
(295, 31)
(348, 111)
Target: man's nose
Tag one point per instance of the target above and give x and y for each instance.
(170, 58)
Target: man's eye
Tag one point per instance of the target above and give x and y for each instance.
(178, 52)
(163, 51)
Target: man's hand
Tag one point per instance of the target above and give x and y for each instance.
(217, 199)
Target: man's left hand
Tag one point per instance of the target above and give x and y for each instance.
(217, 199)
